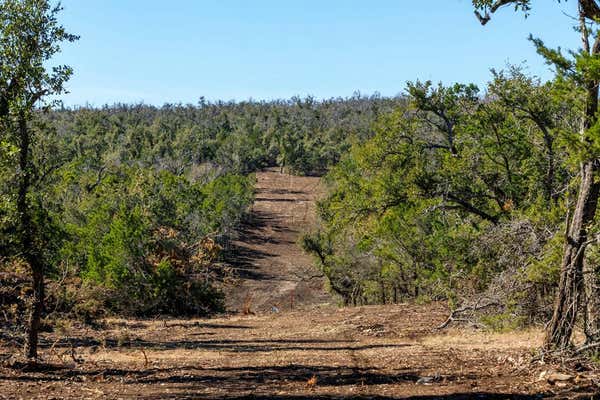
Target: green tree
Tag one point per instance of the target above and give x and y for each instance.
(30, 35)
(583, 70)
(452, 191)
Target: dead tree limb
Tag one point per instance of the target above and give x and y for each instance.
(460, 310)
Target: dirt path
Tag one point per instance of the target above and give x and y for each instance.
(274, 273)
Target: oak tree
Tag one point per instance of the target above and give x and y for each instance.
(30, 35)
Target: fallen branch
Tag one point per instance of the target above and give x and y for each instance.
(589, 346)
(51, 350)
(73, 355)
(455, 313)
(145, 357)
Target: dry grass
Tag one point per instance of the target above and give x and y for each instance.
(482, 340)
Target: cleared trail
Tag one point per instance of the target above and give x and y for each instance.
(272, 270)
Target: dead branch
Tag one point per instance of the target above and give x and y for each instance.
(146, 362)
(51, 350)
(247, 306)
(308, 274)
(586, 347)
(485, 18)
(73, 355)
(453, 315)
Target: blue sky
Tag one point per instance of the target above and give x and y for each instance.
(178, 50)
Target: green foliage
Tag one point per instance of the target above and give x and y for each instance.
(130, 191)
(452, 192)
(524, 5)
(545, 269)
(223, 198)
(301, 135)
(504, 322)
(137, 235)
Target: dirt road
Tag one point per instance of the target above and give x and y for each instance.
(274, 274)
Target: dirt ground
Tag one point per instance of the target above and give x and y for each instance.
(273, 272)
(376, 352)
(305, 348)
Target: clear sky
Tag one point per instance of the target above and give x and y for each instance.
(178, 50)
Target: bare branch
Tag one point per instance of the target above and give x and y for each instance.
(485, 18)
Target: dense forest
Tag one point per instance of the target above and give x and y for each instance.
(481, 197)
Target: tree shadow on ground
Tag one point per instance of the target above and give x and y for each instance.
(190, 381)
(284, 192)
(243, 256)
(456, 396)
(280, 200)
(236, 346)
(236, 378)
(170, 323)
(243, 260)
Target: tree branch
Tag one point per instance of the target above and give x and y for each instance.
(472, 209)
(590, 9)
(485, 18)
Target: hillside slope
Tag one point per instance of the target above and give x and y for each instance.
(273, 273)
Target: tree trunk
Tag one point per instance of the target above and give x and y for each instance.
(551, 167)
(560, 328)
(383, 297)
(36, 312)
(592, 301)
(590, 271)
(416, 289)
(26, 236)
